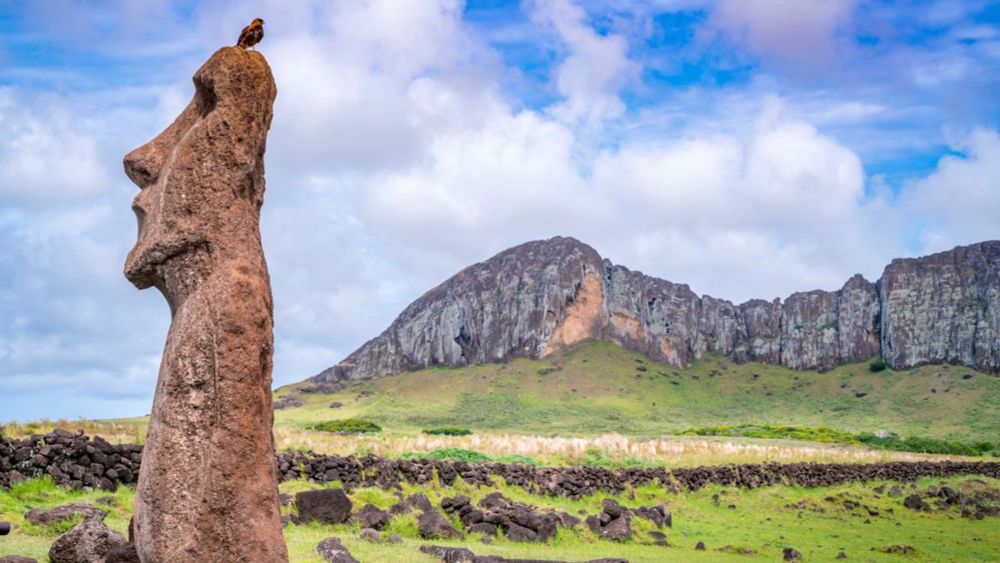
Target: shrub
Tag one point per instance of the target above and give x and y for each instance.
(517, 459)
(348, 426)
(878, 365)
(449, 454)
(448, 431)
(926, 445)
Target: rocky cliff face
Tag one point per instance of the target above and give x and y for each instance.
(943, 308)
(535, 299)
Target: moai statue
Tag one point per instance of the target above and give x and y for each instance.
(207, 488)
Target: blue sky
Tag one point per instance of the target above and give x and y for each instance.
(750, 148)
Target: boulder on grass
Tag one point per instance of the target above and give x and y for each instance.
(371, 516)
(434, 526)
(122, 554)
(88, 542)
(329, 506)
(332, 551)
(65, 513)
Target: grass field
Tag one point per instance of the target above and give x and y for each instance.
(598, 403)
(815, 522)
(598, 388)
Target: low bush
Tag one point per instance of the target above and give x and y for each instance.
(877, 366)
(449, 454)
(812, 434)
(517, 459)
(927, 445)
(448, 431)
(348, 426)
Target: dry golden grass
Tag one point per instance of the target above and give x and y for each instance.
(677, 451)
(124, 431)
(615, 448)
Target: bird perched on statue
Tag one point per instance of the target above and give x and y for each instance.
(251, 34)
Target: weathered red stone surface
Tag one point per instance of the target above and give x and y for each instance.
(207, 488)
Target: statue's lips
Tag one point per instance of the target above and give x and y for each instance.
(142, 264)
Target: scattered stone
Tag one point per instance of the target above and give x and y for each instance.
(4, 528)
(332, 551)
(288, 402)
(89, 541)
(898, 549)
(394, 539)
(17, 559)
(450, 554)
(860, 394)
(700, 546)
(65, 513)
(659, 538)
(330, 506)
(613, 523)
(432, 526)
(371, 516)
(336, 405)
(790, 554)
(122, 554)
(371, 535)
(659, 515)
(738, 550)
(483, 528)
(419, 501)
(841, 555)
(914, 502)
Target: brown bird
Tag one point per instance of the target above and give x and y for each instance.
(251, 34)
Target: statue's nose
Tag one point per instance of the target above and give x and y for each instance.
(143, 166)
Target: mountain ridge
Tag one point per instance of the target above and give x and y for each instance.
(539, 297)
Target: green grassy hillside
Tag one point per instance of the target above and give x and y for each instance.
(599, 388)
(734, 524)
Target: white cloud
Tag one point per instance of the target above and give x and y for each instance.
(791, 32)
(960, 201)
(45, 159)
(398, 156)
(595, 69)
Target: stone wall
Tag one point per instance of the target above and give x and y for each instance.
(77, 461)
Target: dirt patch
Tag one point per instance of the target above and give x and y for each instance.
(582, 316)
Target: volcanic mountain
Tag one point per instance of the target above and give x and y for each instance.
(537, 298)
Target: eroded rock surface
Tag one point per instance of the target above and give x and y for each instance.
(542, 296)
(207, 489)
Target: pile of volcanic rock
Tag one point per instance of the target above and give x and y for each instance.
(90, 540)
(615, 521)
(463, 555)
(71, 458)
(496, 513)
(294, 399)
(974, 497)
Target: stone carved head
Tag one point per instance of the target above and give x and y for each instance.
(201, 182)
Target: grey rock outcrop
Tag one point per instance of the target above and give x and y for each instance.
(543, 296)
(943, 308)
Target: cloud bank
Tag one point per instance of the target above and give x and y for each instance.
(777, 149)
